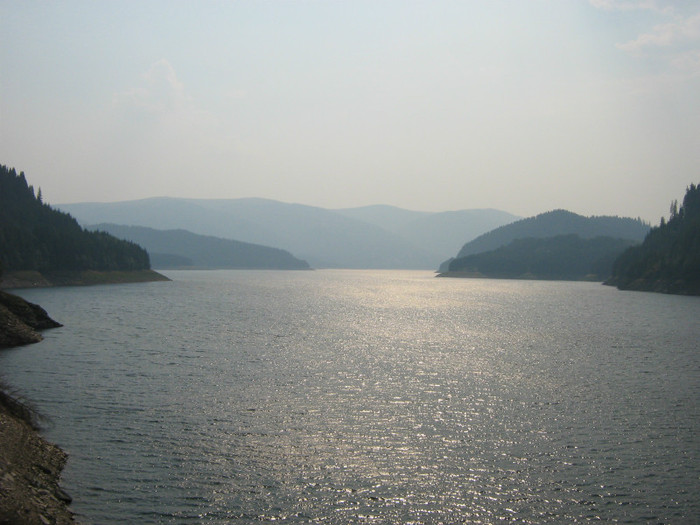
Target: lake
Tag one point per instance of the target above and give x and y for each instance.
(340, 397)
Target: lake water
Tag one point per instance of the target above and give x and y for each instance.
(369, 397)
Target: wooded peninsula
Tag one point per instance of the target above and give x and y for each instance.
(41, 246)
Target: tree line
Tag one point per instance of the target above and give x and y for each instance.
(34, 236)
(567, 257)
(669, 258)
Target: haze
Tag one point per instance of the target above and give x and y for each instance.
(522, 106)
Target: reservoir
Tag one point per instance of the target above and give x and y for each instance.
(339, 396)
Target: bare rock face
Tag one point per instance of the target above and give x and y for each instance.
(20, 321)
(30, 468)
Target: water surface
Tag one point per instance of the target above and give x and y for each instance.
(369, 397)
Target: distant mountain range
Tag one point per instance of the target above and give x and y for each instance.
(183, 249)
(367, 237)
(438, 233)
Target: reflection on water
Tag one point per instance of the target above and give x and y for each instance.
(387, 397)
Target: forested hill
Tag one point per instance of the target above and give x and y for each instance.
(668, 260)
(180, 248)
(36, 237)
(567, 257)
(554, 223)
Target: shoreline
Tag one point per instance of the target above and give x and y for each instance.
(465, 274)
(35, 279)
(30, 466)
(30, 469)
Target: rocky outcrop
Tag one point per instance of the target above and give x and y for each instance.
(20, 321)
(30, 468)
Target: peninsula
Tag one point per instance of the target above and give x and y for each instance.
(41, 246)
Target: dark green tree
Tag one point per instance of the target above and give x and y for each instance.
(34, 236)
(669, 258)
(567, 257)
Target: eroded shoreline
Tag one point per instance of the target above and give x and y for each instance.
(30, 466)
(30, 472)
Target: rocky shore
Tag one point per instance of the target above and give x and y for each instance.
(30, 466)
(21, 321)
(30, 469)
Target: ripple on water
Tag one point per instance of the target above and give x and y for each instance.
(370, 397)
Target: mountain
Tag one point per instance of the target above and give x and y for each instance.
(370, 237)
(567, 257)
(34, 237)
(322, 237)
(668, 260)
(180, 248)
(390, 218)
(440, 233)
(557, 222)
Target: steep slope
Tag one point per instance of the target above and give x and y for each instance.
(52, 248)
(190, 249)
(322, 237)
(557, 222)
(668, 260)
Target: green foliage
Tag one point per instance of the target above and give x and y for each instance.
(669, 258)
(34, 236)
(566, 257)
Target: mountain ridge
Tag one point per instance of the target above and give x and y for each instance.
(323, 237)
(181, 248)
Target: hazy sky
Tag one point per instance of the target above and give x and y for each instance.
(520, 105)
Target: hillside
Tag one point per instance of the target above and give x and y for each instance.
(440, 233)
(44, 242)
(557, 222)
(180, 248)
(564, 257)
(325, 239)
(668, 260)
(368, 237)
(390, 218)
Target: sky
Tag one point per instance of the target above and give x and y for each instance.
(520, 105)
